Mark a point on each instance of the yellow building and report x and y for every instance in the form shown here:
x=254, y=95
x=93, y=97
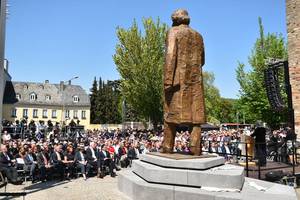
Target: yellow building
x=44, y=101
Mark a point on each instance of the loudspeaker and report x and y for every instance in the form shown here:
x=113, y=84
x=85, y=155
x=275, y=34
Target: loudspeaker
x=273, y=89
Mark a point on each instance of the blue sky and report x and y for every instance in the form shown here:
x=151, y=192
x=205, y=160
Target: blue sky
x=59, y=39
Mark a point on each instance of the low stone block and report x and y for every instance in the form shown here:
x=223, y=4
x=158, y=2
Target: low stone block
x=199, y=164
x=226, y=176
x=136, y=188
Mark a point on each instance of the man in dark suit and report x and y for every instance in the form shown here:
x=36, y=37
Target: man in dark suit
x=92, y=155
x=226, y=151
x=106, y=160
x=80, y=160
x=30, y=163
x=6, y=166
x=42, y=163
x=57, y=160
x=259, y=135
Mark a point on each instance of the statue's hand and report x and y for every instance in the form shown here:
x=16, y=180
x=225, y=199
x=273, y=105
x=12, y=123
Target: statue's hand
x=168, y=88
x=172, y=88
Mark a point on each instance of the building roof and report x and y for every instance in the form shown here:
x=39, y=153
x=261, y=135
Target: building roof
x=60, y=94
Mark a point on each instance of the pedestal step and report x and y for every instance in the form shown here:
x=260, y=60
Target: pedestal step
x=137, y=188
x=199, y=164
x=226, y=176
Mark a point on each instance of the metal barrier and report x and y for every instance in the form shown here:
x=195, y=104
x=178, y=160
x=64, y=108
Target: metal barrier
x=247, y=156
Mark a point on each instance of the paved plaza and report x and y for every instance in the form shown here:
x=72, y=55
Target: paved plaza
x=91, y=189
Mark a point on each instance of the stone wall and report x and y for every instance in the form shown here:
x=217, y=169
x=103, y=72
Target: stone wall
x=293, y=29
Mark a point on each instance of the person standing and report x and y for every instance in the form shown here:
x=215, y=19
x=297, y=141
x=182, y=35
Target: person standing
x=259, y=135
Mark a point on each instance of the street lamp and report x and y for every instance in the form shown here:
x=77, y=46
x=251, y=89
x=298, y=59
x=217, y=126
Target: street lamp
x=63, y=100
x=75, y=77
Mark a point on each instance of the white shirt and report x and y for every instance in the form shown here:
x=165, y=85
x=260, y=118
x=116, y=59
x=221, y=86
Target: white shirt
x=227, y=149
x=93, y=153
x=82, y=157
x=7, y=157
x=116, y=147
x=58, y=156
x=6, y=137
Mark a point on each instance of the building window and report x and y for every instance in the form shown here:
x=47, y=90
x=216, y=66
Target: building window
x=25, y=112
x=83, y=114
x=14, y=112
x=35, y=113
x=48, y=97
x=33, y=96
x=53, y=113
x=25, y=86
x=67, y=114
x=75, y=114
x=75, y=99
x=45, y=115
x=18, y=96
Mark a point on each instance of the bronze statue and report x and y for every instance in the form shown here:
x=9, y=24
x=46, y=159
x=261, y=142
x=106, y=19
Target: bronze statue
x=183, y=85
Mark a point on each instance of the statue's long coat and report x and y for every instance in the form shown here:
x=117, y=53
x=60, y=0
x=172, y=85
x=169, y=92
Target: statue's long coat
x=184, y=102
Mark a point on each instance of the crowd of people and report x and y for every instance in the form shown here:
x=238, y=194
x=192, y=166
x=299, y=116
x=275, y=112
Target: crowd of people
x=103, y=152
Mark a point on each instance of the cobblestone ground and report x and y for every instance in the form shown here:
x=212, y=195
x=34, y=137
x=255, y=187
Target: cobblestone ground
x=78, y=189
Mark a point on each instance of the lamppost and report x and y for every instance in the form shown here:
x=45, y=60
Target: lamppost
x=63, y=117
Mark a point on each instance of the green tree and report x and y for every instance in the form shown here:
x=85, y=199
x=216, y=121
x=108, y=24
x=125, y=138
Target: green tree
x=101, y=102
x=253, y=98
x=93, y=99
x=228, y=111
x=139, y=59
x=105, y=99
x=212, y=98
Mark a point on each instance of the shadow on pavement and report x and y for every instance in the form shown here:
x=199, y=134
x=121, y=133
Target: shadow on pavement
x=42, y=186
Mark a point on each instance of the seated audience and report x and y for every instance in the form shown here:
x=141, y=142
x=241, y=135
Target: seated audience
x=30, y=163
x=106, y=160
x=80, y=160
x=7, y=166
x=69, y=158
x=57, y=160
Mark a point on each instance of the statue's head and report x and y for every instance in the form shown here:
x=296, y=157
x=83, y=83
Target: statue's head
x=180, y=16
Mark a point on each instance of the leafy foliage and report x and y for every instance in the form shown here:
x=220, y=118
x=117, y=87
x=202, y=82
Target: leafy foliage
x=253, y=98
x=218, y=109
x=139, y=59
x=93, y=99
x=105, y=99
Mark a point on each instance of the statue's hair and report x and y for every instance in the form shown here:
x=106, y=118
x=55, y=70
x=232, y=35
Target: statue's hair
x=180, y=16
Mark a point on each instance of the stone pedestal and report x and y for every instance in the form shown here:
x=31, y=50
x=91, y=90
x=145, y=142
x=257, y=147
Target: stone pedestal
x=156, y=177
